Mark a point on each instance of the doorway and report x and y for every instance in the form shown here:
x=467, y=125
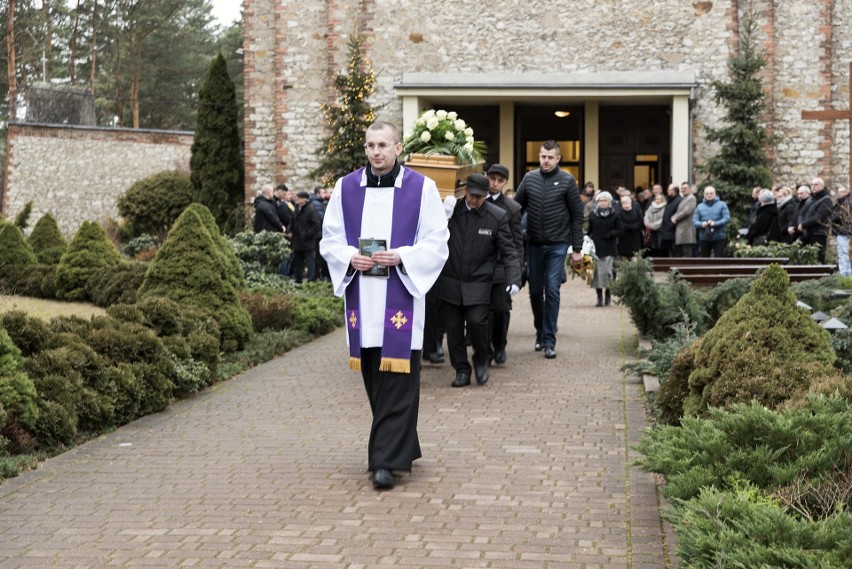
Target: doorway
x=634, y=147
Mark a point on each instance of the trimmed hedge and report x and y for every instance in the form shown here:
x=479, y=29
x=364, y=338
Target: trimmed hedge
x=47, y=241
x=89, y=251
x=14, y=249
x=152, y=204
x=116, y=284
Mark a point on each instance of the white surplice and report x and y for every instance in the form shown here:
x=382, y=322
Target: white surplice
x=423, y=261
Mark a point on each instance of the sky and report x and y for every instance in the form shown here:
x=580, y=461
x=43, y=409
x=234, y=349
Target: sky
x=226, y=11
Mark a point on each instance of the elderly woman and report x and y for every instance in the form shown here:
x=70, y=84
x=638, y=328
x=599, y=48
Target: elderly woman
x=604, y=228
x=653, y=222
x=764, y=226
x=786, y=205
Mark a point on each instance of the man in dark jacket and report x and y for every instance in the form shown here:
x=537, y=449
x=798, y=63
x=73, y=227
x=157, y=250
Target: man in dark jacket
x=304, y=230
x=501, y=301
x=265, y=212
x=550, y=198
x=282, y=205
x=816, y=217
x=479, y=234
x=667, y=229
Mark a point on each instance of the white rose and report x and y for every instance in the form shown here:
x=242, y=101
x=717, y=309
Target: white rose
x=468, y=131
x=421, y=121
x=450, y=136
x=432, y=123
x=428, y=114
x=469, y=139
x=468, y=147
x=452, y=115
x=426, y=136
x=460, y=125
x=441, y=114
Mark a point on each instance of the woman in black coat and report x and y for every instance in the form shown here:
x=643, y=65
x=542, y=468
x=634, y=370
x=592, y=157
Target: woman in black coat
x=633, y=226
x=786, y=204
x=604, y=229
x=764, y=227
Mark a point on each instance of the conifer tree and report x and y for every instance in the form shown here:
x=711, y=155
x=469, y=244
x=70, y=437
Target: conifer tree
x=89, y=251
x=741, y=163
x=47, y=241
x=14, y=249
x=218, y=175
x=342, y=151
x=191, y=269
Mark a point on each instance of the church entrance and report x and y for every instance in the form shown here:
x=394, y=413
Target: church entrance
x=634, y=147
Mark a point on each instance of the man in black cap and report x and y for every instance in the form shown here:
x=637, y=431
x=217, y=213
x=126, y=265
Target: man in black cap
x=304, y=230
x=501, y=302
x=479, y=235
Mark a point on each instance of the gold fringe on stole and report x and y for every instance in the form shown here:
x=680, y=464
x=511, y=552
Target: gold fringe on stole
x=395, y=365
x=355, y=364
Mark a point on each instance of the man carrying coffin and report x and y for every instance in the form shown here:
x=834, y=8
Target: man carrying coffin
x=385, y=241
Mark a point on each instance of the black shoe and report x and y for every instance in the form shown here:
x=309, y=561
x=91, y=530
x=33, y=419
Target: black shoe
x=382, y=479
x=500, y=356
x=440, y=352
x=550, y=353
x=608, y=299
x=433, y=358
x=599, y=303
x=462, y=379
x=481, y=375
x=538, y=345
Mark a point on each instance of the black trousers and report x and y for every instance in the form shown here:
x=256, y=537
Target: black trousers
x=433, y=326
x=476, y=317
x=498, y=318
x=395, y=402
x=300, y=259
x=820, y=241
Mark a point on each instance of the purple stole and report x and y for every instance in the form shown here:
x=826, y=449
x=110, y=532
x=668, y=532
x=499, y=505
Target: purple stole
x=399, y=304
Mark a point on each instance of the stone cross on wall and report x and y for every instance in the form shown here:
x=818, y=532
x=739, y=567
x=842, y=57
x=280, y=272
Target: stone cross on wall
x=833, y=115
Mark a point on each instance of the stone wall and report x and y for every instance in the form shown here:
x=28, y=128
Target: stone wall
x=806, y=39
x=78, y=173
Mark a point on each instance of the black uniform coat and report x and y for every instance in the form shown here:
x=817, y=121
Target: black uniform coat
x=633, y=223
x=513, y=210
x=477, y=237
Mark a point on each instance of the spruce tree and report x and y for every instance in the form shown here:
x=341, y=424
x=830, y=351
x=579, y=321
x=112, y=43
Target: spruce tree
x=342, y=151
x=191, y=269
x=741, y=163
x=14, y=249
x=218, y=175
x=47, y=241
x=89, y=251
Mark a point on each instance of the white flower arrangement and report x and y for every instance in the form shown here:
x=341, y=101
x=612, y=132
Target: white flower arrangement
x=443, y=133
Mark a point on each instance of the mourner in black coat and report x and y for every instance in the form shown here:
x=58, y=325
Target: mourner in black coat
x=633, y=225
x=764, y=225
x=304, y=230
x=479, y=233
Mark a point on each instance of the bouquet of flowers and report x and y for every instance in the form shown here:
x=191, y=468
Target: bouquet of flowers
x=445, y=134
x=586, y=268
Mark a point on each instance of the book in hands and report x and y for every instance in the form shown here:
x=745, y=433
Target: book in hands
x=369, y=246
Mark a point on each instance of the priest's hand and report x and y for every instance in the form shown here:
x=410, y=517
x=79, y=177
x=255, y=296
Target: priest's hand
x=362, y=262
x=388, y=258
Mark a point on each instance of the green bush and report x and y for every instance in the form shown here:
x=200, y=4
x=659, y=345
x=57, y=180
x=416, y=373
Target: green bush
x=743, y=528
x=269, y=311
x=317, y=315
x=191, y=269
x=89, y=251
x=263, y=251
x=144, y=242
x=47, y=241
x=14, y=249
x=37, y=281
x=22, y=219
x=819, y=294
x=718, y=299
x=796, y=252
x=232, y=269
x=152, y=204
x=30, y=335
x=18, y=397
x=752, y=353
x=658, y=360
x=116, y=284
x=261, y=348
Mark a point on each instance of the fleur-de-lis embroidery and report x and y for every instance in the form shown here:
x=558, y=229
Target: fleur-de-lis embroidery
x=353, y=320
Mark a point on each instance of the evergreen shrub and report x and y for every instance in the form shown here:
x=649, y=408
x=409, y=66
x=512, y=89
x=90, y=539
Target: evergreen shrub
x=796, y=252
x=191, y=269
x=269, y=311
x=89, y=251
x=151, y=205
x=18, y=397
x=14, y=249
x=37, y=281
x=116, y=284
x=262, y=251
x=30, y=335
x=143, y=244
x=47, y=241
x=232, y=269
x=22, y=218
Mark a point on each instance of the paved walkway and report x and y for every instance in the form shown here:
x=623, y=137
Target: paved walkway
x=531, y=471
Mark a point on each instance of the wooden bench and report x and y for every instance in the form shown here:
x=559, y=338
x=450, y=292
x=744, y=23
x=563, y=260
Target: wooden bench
x=663, y=264
x=703, y=271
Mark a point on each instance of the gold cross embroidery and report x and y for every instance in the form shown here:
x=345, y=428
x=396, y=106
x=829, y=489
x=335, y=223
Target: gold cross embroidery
x=399, y=320
x=353, y=319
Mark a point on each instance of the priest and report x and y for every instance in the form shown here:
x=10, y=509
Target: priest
x=385, y=241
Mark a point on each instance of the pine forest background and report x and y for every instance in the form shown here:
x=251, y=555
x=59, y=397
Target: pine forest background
x=143, y=61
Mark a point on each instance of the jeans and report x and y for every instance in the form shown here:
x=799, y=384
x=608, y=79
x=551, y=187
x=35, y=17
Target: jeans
x=843, y=255
x=545, y=265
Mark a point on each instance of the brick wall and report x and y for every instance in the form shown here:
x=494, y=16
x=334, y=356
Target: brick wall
x=78, y=173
